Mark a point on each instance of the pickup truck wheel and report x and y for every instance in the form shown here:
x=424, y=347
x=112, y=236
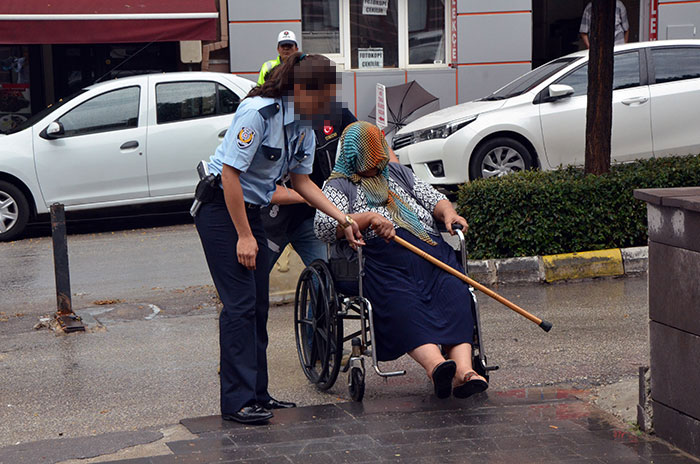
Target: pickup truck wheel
x=498, y=157
x=14, y=211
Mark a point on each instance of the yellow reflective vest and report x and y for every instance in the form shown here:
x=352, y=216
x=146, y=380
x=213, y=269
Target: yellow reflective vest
x=266, y=68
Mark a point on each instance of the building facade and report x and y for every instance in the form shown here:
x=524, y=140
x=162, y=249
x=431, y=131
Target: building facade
x=458, y=50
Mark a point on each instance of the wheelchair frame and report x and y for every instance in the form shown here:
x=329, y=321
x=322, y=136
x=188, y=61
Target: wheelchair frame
x=319, y=315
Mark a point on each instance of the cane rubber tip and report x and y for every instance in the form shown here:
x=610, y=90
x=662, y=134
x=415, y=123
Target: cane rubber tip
x=546, y=326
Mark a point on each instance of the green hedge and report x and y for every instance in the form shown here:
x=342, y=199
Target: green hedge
x=548, y=212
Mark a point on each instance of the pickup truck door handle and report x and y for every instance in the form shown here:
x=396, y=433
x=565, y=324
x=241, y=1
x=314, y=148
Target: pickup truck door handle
x=129, y=145
x=222, y=134
x=633, y=100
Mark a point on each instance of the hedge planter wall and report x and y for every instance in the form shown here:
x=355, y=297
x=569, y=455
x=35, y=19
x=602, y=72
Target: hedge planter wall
x=548, y=212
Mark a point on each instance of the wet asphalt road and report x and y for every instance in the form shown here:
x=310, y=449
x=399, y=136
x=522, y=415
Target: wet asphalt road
x=150, y=355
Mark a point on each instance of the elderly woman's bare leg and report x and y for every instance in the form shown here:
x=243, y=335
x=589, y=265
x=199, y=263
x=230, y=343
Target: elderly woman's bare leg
x=462, y=355
x=440, y=370
x=428, y=356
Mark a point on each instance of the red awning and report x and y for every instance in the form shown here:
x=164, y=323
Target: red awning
x=106, y=21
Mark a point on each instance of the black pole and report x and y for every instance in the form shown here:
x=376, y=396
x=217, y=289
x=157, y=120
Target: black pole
x=64, y=308
x=60, y=259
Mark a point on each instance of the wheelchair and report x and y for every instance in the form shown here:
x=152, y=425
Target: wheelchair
x=321, y=314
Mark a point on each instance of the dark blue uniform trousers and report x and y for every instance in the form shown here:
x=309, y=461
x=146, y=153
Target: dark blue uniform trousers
x=244, y=294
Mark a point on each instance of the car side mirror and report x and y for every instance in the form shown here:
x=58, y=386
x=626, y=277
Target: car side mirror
x=559, y=91
x=54, y=131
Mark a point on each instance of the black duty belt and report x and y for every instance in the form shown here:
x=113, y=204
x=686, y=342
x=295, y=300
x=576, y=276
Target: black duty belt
x=219, y=197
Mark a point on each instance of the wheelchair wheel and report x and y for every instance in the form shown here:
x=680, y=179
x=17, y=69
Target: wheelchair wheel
x=356, y=384
x=317, y=326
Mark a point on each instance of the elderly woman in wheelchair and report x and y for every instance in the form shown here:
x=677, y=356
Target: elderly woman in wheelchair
x=418, y=309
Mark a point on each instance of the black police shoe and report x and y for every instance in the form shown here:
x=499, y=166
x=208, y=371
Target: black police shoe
x=249, y=415
x=276, y=404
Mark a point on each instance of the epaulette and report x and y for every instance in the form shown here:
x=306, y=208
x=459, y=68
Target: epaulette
x=269, y=111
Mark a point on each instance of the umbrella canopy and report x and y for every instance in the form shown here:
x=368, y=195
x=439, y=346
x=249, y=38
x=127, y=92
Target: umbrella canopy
x=403, y=102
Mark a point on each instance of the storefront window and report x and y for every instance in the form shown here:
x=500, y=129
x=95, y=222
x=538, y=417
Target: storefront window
x=320, y=26
x=81, y=65
x=374, y=37
x=377, y=34
x=15, y=100
x=426, y=31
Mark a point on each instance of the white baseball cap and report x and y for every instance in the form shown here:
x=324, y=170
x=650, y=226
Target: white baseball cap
x=287, y=37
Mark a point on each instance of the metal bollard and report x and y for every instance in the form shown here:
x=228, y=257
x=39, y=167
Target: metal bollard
x=65, y=316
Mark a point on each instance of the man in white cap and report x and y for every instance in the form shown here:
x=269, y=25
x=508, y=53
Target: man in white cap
x=286, y=46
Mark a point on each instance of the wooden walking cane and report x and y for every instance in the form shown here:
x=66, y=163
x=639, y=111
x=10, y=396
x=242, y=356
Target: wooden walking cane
x=546, y=326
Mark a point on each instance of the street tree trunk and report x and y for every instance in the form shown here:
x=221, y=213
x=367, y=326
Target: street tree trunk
x=600, y=80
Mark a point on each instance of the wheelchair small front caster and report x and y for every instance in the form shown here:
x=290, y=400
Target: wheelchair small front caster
x=356, y=383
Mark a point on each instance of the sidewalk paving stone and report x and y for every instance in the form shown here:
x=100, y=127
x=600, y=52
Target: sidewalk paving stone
x=536, y=425
x=46, y=451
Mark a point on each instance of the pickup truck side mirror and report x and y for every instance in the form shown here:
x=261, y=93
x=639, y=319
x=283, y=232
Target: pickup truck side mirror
x=53, y=131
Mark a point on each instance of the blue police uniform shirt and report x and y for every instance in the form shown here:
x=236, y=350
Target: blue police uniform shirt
x=254, y=145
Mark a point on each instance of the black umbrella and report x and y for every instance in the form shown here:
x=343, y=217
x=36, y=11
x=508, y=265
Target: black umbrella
x=403, y=101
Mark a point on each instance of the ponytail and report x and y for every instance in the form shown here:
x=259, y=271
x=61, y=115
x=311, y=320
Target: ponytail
x=310, y=71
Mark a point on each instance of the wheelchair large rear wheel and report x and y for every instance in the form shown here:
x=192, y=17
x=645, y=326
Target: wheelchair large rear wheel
x=317, y=326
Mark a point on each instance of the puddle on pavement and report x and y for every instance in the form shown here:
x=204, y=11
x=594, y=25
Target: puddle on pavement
x=102, y=315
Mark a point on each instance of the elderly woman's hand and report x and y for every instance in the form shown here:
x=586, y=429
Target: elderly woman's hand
x=453, y=218
x=382, y=227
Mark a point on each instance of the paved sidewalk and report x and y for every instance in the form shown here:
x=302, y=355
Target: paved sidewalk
x=534, y=425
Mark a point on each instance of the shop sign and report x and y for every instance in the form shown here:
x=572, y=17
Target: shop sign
x=653, y=19
x=375, y=7
x=368, y=58
x=381, y=106
x=453, y=39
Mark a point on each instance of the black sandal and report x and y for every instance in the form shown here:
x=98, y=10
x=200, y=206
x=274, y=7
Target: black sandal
x=470, y=386
x=442, y=378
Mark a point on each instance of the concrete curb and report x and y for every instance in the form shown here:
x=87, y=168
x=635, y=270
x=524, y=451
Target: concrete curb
x=530, y=269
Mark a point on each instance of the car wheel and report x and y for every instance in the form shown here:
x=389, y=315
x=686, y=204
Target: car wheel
x=14, y=211
x=498, y=157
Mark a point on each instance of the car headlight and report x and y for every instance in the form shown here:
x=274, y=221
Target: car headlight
x=436, y=132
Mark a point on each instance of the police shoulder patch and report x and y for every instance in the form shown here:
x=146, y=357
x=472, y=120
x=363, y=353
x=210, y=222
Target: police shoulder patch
x=245, y=137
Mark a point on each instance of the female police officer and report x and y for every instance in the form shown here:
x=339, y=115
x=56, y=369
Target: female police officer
x=269, y=138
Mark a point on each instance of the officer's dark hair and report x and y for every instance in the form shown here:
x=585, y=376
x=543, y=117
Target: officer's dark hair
x=312, y=72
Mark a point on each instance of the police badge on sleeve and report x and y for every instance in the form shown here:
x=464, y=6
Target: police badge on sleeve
x=245, y=137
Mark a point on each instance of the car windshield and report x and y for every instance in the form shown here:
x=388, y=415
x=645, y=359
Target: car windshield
x=528, y=81
x=43, y=113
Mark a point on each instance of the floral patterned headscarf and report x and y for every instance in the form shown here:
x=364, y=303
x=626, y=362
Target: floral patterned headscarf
x=363, y=147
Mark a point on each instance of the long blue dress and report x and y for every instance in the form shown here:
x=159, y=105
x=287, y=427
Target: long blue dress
x=414, y=301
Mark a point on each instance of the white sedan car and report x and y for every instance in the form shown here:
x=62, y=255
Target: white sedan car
x=122, y=142
x=539, y=119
